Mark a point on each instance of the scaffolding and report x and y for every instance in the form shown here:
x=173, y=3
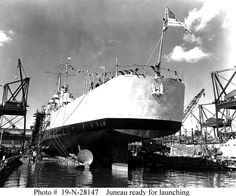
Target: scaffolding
x=14, y=104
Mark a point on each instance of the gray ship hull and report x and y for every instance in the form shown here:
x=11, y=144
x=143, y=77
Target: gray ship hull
x=123, y=110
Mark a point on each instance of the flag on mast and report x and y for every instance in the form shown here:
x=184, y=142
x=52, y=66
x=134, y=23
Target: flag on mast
x=171, y=20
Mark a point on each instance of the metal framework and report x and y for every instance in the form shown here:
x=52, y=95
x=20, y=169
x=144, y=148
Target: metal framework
x=189, y=109
x=208, y=122
x=14, y=104
x=192, y=105
x=224, y=88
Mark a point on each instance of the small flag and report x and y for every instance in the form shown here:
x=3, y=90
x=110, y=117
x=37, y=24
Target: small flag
x=171, y=20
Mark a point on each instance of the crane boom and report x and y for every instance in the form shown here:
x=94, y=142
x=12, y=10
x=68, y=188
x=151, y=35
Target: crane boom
x=192, y=104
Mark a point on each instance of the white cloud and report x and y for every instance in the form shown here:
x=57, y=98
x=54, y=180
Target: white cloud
x=199, y=19
x=4, y=38
x=192, y=38
x=194, y=55
x=230, y=24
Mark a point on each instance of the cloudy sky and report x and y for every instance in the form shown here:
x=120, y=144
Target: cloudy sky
x=43, y=33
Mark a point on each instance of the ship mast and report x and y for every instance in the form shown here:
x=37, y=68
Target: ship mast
x=64, y=70
x=59, y=80
x=169, y=20
x=164, y=27
x=66, y=66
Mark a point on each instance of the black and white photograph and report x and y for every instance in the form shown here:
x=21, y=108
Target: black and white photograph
x=117, y=97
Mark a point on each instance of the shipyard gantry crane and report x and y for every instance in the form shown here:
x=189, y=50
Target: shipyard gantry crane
x=14, y=104
x=188, y=110
x=224, y=88
x=209, y=123
x=192, y=104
